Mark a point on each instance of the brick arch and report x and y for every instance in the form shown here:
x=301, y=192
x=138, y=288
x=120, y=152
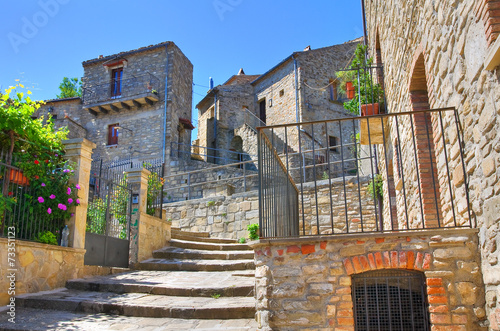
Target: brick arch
x=488, y=11
x=424, y=137
x=409, y=260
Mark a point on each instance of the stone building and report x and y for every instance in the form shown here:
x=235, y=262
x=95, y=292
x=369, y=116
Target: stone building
x=447, y=55
x=134, y=104
x=301, y=88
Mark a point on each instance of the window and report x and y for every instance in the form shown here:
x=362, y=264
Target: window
x=116, y=82
x=113, y=134
x=262, y=110
x=282, y=93
x=333, y=143
x=390, y=300
x=333, y=90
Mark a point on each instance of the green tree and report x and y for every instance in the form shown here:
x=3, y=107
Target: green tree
x=20, y=132
x=70, y=87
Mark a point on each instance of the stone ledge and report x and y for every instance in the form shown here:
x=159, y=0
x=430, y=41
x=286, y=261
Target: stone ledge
x=355, y=236
x=26, y=243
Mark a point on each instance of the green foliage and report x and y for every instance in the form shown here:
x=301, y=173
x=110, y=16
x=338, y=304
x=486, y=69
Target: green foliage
x=96, y=216
x=224, y=214
x=325, y=175
x=253, y=230
x=366, y=92
x=155, y=185
x=119, y=204
x=47, y=237
x=70, y=87
x=51, y=194
x=210, y=203
x=6, y=204
x=376, y=187
x=242, y=240
x=215, y=296
x=23, y=133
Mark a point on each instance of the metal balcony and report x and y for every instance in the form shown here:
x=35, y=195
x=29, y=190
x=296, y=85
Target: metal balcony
x=115, y=96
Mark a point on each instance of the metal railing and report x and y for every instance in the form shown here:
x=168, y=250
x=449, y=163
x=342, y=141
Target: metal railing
x=146, y=84
x=211, y=155
x=253, y=121
x=199, y=183
x=20, y=215
x=278, y=195
x=389, y=172
x=114, y=171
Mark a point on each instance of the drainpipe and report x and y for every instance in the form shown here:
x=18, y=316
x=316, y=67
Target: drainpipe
x=215, y=125
x=296, y=88
x=165, y=110
x=364, y=21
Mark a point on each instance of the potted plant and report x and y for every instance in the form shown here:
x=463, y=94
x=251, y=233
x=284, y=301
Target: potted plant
x=368, y=96
x=357, y=82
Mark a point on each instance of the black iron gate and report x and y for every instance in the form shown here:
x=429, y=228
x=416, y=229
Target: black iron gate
x=390, y=300
x=107, y=240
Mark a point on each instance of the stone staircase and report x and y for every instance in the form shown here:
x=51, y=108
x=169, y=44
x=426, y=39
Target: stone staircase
x=197, y=281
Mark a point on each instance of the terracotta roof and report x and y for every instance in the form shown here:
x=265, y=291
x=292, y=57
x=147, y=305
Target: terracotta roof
x=142, y=49
x=187, y=123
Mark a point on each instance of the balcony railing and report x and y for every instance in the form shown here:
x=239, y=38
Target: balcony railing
x=390, y=172
x=138, y=87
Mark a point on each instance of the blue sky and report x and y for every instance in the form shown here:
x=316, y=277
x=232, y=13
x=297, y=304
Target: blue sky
x=44, y=40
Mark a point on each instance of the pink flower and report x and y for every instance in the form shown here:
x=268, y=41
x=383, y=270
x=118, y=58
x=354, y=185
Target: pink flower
x=49, y=211
x=52, y=196
x=61, y=206
x=43, y=184
x=78, y=186
x=70, y=201
x=78, y=201
x=40, y=199
x=72, y=214
x=68, y=191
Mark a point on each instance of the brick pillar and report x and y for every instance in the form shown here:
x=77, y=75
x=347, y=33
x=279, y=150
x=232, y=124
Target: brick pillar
x=137, y=179
x=79, y=150
x=426, y=158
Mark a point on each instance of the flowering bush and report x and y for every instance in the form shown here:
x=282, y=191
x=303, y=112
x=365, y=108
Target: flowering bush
x=51, y=194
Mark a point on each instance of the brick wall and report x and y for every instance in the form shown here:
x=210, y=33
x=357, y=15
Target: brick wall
x=306, y=283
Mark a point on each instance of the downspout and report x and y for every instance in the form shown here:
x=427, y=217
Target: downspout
x=296, y=88
x=364, y=21
x=215, y=125
x=165, y=110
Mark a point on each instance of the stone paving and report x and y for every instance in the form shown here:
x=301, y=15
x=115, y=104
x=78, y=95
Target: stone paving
x=41, y=319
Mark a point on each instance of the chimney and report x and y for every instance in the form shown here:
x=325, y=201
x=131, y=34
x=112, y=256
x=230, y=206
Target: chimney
x=308, y=48
x=241, y=72
x=100, y=56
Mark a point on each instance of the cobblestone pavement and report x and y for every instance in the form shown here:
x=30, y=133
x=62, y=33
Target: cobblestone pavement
x=39, y=319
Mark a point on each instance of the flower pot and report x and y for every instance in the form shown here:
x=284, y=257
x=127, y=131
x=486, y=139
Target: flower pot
x=17, y=177
x=370, y=109
x=350, y=90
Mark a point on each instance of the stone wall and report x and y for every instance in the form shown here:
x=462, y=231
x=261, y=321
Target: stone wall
x=451, y=41
x=306, y=283
x=42, y=267
x=154, y=233
x=226, y=214
x=223, y=216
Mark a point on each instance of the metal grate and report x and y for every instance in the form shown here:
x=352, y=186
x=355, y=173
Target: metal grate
x=390, y=300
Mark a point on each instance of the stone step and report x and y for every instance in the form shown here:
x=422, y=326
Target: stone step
x=173, y=283
x=197, y=254
x=195, y=265
x=209, y=246
x=176, y=231
x=140, y=304
x=42, y=319
x=188, y=237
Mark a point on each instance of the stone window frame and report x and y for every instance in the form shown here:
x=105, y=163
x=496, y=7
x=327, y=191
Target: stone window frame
x=112, y=139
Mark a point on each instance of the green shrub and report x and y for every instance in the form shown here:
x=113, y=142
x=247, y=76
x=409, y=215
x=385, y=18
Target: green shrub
x=242, y=240
x=47, y=237
x=253, y=230
x=376, y=191
x=210, y=203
